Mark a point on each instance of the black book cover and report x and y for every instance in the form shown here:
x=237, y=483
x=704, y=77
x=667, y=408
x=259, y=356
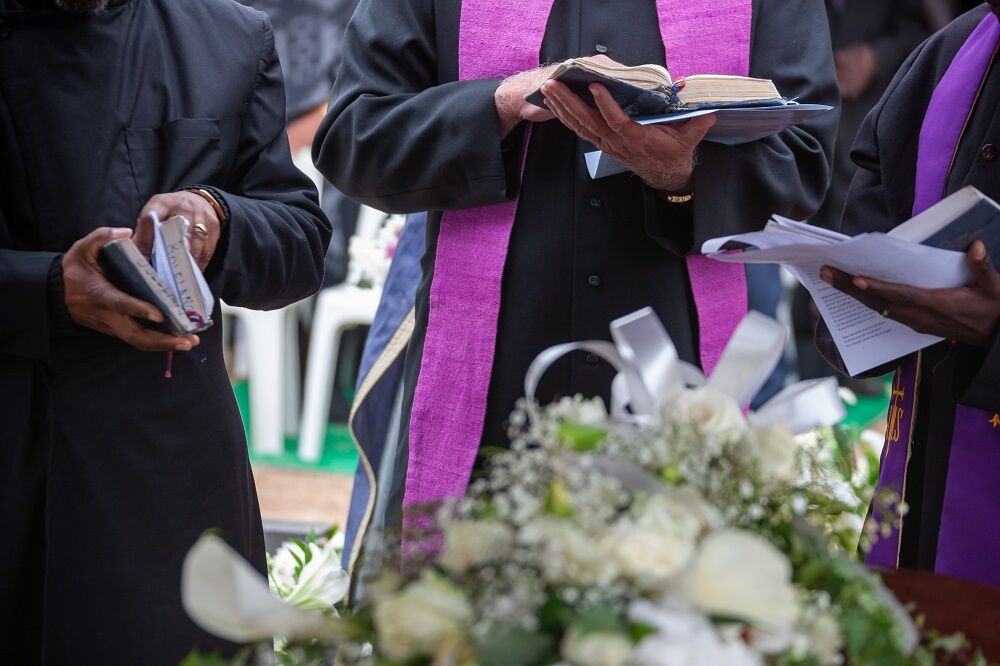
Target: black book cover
x=118, y=260
x=635, y=101
x=981, y=222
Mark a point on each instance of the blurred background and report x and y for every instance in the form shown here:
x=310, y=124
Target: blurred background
x=294, y=370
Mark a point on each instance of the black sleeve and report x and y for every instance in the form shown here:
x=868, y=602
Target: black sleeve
x=397, y=138
x=271, y=251
x=737, y=188
x=26, y=328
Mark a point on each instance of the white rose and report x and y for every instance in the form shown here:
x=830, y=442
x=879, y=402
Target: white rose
x=825, y=641
x=775, y=451
x=470, y=543
x=595, y=649
x=426, y=614
x=569, y=555
x=649, y=557
x=683, y=637
x=320, y=584
x=681, y=510
x=741, y=575
x=713, y=413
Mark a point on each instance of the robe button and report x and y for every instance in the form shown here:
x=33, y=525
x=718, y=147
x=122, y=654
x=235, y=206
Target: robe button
x=595, y=203
x=988, y=152
x=592, y=359
x=594, y=281
x=601, y=48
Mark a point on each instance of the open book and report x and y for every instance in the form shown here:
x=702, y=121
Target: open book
x=645, y=90
x=927, y=251
x=172, y=281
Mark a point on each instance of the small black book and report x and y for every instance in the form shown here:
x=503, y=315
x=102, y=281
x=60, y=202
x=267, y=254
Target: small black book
x=172, y=282
x=955, y=222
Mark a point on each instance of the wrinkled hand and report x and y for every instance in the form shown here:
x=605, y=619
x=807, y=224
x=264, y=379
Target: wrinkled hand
x=661, y=155
x=968, y=314
x=195, y=209
x=511, y=105
x=856, y=69
x=94, y=302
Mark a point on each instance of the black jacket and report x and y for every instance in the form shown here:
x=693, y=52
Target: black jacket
x=108, y=470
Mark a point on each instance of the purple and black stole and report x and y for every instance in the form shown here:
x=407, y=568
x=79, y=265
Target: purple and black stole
x=968, y=542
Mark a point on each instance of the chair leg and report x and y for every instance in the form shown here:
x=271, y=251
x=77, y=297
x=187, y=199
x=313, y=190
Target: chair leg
x=291, y=380
x=323, y=349
x=265, y=333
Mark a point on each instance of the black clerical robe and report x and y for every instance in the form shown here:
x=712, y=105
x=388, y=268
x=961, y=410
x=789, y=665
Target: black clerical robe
x=108, y=470
x=880, y=198
x=403, y=134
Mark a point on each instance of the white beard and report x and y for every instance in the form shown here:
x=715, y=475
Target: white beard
x=83, y=6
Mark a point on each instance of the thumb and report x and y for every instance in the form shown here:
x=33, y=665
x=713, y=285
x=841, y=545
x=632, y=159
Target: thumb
x=984, y=275
x=143, y=237
x=695, y=129
x=98, y=238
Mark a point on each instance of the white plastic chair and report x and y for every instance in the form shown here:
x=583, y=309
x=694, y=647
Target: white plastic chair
x=337, y=309
x=267, y=354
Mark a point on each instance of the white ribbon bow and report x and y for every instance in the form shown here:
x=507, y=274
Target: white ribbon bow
x=650, y=374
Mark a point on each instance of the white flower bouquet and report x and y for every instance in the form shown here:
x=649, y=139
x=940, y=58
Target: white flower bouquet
x=676, y=530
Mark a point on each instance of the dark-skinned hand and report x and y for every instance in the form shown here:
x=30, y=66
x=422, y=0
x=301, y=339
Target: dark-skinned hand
x=94, y=302
x=663, y=156
x=970, y=314
x=191, y=206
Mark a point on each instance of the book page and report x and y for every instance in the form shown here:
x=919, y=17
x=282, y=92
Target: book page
x=864, y=338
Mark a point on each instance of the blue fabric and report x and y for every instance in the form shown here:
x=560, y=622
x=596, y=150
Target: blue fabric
x=371, y=419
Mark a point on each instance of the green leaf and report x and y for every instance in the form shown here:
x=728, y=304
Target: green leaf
x=600, y=619
x=559, y=500
x=640, y=631
x=555, y=615
x=581, y=438
x=517, y=647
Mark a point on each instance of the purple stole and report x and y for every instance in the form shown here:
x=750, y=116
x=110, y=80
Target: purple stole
x=497, y=39
x=968, y=542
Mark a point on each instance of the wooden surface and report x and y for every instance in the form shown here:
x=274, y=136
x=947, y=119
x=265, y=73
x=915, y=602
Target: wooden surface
x=301, y=496
x=951, y=605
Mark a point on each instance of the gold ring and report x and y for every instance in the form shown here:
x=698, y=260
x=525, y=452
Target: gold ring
x=885, y=313
x=201, y=229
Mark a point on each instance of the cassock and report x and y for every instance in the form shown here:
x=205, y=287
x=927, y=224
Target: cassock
x=109, y=471
x=949, y=379
x=404, y=134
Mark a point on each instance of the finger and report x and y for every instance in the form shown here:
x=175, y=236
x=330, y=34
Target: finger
x=95, y=240
x=159, y=204
x=896, y=294
x=197, y=242
x=144, y=339
x=586, y=117
x=570, y=121
x=694, y=130
x=984, y=275
x=846, y=283
x=144, y=234
x=616, y=119
x=110, y=298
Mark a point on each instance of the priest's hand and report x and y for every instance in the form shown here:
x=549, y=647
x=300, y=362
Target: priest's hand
x=511, y=105
x=661, y=155
x=967, y=314
x=94, y=302
x=205, y=223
